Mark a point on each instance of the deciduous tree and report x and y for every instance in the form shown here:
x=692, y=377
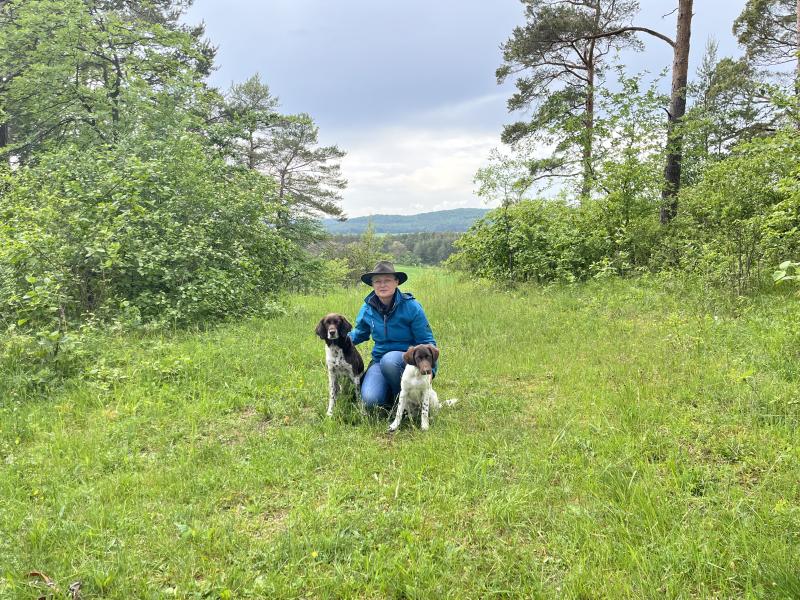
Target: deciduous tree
x=76, y=69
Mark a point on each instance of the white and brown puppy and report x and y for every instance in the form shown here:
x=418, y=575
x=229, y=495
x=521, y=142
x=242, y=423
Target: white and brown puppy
x=341, y=357
x=416, y=392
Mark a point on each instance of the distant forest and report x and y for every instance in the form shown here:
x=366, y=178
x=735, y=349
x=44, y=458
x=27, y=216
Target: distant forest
x=406, y=248
x=459, y=219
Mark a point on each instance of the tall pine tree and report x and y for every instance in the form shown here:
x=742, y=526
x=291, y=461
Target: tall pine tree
x=559, y=59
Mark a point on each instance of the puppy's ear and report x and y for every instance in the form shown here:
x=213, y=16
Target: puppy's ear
x=435, y=352
x=408, y=356
x=320, y=330
x=344, y=326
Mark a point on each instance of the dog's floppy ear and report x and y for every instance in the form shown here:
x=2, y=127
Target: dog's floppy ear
x=320, y=330
x=344, y=326
x=435, y=352
x=408, y=356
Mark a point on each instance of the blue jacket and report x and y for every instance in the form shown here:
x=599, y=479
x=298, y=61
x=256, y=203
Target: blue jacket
x=403, y=325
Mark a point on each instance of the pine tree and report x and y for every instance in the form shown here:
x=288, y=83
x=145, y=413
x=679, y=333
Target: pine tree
x=559, y=56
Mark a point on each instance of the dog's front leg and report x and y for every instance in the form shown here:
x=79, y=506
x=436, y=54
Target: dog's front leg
x=426, y=407
x=332, y=391
x=401, y=407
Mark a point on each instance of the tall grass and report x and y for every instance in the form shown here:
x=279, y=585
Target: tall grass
x=613, y=440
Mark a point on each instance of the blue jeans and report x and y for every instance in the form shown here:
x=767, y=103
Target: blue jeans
x=381, y=382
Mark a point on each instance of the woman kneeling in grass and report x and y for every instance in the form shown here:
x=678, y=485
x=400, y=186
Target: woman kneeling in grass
x=395, y=321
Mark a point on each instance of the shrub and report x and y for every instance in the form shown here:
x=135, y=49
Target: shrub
x=533, y=240
x=742, y=215
x=152, y=226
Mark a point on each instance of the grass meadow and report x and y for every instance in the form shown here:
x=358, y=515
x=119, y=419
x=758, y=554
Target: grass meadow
x=616, y=439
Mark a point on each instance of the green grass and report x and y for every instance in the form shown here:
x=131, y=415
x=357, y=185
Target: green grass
x=612, y=440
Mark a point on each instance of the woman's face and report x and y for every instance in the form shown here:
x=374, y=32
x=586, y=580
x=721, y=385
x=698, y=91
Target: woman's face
x=384, y=286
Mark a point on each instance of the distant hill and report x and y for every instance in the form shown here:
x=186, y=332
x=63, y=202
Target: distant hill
x=458, y=219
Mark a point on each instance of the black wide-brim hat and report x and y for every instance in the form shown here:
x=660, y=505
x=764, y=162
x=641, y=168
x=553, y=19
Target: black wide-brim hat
x=384, y=267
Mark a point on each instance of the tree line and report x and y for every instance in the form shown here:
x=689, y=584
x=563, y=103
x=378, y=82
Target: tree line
x=702, y=180
x=350, y=255
x=133, y=191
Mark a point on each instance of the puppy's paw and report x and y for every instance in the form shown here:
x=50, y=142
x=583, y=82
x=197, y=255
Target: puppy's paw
x=329, y=413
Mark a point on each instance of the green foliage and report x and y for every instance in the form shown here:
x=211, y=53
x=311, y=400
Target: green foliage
x=767, y=30
x=362, y=255
x=559, y=68
x=308, y=175
x=613, y=233
x=78, y=69
x=739, y=215
x=420, y=248
x=731, y=103
x=787, y=271
x=742, y=216
x=782, y=235
x=543, y=237
x=151, y=227
x=138, y=200
x=623, y=219
x=405, y=248
x=253, y=134
x=250, y=113
x=345, y=258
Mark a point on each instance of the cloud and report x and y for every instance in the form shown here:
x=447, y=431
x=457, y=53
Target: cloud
x=403, y=170
x=426, y=161
x=488, y=107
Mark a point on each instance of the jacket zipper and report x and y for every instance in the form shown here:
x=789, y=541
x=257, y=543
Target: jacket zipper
x=386, y=318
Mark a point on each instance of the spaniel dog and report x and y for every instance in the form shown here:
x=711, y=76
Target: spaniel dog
x=341, y=357
x=416, y=392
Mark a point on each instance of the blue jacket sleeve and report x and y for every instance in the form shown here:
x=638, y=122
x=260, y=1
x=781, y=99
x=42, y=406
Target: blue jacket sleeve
x=362, y=331
x=421, y=328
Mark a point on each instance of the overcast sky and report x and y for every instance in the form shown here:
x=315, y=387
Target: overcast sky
x=407, y=89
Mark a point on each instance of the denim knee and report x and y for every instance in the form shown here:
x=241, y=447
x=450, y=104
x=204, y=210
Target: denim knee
x=392, y=366
x=374, y=388
x=372, y=397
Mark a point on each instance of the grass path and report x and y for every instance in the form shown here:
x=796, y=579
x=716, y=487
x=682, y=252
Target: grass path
x=613, y=440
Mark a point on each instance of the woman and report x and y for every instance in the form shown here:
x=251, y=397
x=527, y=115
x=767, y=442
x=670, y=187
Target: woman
x=395, y=321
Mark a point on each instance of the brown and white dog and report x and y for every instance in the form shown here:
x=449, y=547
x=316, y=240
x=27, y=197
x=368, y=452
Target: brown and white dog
x=416, y=391
x=341, y=357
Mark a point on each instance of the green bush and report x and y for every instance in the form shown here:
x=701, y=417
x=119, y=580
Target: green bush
x=787, y=271
x=552, y=240
x=152, y=228
x=739, y=220
x=742, y=217
x=533, y=240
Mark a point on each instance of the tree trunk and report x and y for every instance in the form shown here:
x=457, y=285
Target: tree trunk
x=677, y=109
x=797, y=75
x=588, y=132
x=508, y=241
x=4, y=135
